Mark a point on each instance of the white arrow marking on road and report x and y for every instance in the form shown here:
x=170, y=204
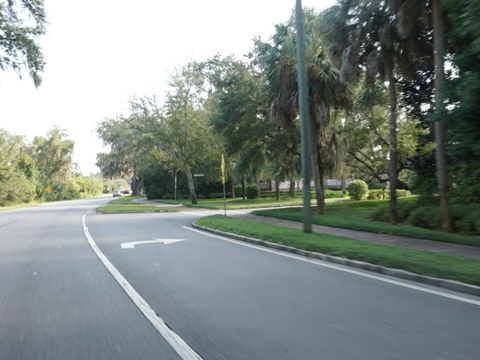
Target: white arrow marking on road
x=131, y=245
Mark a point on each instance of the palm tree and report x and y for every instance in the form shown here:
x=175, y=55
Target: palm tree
x=412, y=14
x=325, y=91
x=364, y=36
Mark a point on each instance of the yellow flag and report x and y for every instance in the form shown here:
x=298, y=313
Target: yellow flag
x=223, y=170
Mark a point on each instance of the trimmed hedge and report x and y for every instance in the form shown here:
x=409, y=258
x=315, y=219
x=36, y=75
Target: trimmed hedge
x=376, y=194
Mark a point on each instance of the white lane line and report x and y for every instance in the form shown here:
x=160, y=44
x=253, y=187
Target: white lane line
x=175, y=341
x=336, y=267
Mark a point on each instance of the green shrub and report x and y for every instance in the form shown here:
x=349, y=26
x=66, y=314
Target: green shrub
x=465, y=218
x=382, y=211
x=428, y=217
x=358, y=190
x=332, y=194
x=201, y=197
x=377, y=194
x=253, y=191
x=403, y=193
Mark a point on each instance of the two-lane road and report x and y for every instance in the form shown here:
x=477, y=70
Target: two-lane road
x=221, y=298
x=57, y=300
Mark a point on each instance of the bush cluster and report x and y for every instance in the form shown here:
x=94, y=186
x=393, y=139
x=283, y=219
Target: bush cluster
x=376, y=194
x=253, y=191
x=358, y=190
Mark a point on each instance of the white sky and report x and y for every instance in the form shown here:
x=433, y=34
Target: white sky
x=101, y=52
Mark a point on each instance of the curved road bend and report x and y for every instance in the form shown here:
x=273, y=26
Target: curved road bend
x=224, y=299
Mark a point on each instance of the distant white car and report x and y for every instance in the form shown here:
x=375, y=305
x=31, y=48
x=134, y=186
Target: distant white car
x=116, y=193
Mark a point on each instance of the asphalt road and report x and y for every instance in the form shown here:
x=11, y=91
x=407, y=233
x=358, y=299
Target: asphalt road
x=220, y=298
x=57, y=300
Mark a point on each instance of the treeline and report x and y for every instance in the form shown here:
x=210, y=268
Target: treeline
x=392, y=92
x=42, y=170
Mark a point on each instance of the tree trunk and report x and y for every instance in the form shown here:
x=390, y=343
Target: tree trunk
x=232, y=185
x=344, y=184
x=439, y=129
x=244, y=190
x=191, y=185
x=313, y=127
x=292, y=187
x=392, y=165
x=136, y=183
x=277, y=190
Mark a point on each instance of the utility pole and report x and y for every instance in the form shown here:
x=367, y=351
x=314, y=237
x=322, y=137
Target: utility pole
x=303, y=108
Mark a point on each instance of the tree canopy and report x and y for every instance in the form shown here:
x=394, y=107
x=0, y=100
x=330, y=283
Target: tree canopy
x=22, y=22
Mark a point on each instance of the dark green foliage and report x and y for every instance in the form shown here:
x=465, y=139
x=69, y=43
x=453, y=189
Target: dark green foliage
x=376, y=186
x=466, y=218
x=253, y=191
x=428, y=217
x=217, y=195
x=238, y=190
x=358, y=189
x=207, y=188
x=404, y=208
x=158, y=182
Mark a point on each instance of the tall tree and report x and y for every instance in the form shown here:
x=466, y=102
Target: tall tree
x=17, y=170
x=53, y=156
x=238, y=111
x=440, y=128
x=464, y=92
x=325, y=91
x=21, y=24
x=180, y=129
x=410, y=14
x=124, y=136
x=364, y=36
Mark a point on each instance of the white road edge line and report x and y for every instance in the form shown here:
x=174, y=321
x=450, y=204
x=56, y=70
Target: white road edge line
x=175, y=341
x=336, y=267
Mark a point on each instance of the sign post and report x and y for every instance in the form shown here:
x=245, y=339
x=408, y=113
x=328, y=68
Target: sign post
x=223, y=182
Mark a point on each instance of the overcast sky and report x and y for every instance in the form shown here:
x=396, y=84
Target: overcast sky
x=101, y=52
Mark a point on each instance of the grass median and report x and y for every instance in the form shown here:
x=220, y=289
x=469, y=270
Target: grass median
x=126, y=205
x=416, y=261
x=239, y=203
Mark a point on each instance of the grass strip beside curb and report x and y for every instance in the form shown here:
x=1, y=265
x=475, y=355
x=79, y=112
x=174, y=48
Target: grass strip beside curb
x=415, y=261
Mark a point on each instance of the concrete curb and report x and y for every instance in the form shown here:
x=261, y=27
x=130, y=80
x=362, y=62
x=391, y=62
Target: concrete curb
x=447, y=284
